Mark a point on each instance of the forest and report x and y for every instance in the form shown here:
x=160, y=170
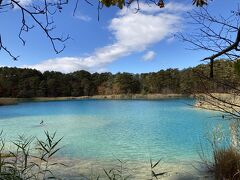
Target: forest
x=28, y=83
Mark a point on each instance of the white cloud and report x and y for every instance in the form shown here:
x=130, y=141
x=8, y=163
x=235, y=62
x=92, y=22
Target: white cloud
x=133, y=32
x=31, y=2
x=150, y=55
x=83, y=17
x=25, y=2
x=171, y=39
x=171, y=7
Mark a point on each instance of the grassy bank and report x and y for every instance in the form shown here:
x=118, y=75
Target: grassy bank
x=9, y=101
x=223, y=102
x=138, y=96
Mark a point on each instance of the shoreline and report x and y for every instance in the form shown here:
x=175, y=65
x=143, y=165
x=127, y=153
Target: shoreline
x=13, y=101
x=221, y=102
x=203, y=101
x=138, y=169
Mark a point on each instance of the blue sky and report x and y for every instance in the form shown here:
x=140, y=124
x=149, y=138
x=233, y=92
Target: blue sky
x=122, y=41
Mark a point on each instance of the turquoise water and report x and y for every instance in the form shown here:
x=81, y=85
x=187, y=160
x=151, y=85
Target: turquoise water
x=105, y=129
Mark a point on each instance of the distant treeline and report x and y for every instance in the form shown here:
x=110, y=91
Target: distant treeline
x=17, y=82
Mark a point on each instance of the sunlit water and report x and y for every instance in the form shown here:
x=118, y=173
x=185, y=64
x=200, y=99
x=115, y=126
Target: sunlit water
x=108, y=129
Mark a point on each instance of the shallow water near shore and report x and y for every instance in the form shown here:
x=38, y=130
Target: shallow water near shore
x=103, y=130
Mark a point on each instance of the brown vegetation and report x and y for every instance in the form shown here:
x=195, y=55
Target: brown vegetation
x=227, y=164
x=8, y=101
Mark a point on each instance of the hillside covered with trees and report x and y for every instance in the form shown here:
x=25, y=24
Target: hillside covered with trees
x=27, y=83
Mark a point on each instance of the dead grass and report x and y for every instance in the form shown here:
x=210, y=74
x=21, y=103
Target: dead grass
x=222, y=102
x=8, y=101
x=227, y=164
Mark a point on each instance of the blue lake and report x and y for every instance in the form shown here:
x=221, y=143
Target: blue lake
x=105, y=129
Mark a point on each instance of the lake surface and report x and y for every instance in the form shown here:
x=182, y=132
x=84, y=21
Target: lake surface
x=105, y=129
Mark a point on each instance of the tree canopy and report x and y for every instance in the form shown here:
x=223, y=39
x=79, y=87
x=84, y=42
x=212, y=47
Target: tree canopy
x=27, y=83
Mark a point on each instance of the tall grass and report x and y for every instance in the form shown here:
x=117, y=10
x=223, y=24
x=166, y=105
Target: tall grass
x=121, y=172
x=9, y=101
x=227, y=163
x=31, y=158
x=225, y=158
x=28, y=161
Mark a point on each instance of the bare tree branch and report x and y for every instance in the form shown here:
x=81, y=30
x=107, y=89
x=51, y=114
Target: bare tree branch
x=219, y=35
x=6, y=50
x=40, y=14
x=31, y=16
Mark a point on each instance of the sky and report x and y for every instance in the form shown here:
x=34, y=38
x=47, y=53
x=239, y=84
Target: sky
x=121, y=41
